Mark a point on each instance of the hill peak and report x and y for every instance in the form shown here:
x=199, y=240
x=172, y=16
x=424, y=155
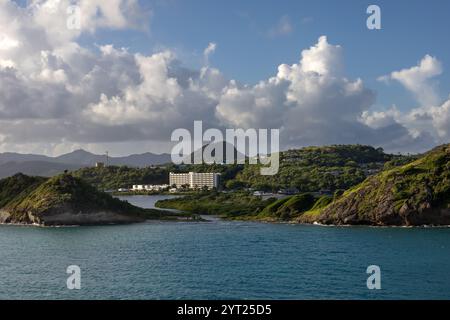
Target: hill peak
x=62, y=200
x=416, y=193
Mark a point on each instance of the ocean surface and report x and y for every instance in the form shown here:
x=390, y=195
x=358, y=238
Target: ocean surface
x=223, y=260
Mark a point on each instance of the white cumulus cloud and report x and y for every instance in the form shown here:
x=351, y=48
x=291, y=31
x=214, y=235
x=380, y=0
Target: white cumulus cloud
x=418, y=79
x=56, y=94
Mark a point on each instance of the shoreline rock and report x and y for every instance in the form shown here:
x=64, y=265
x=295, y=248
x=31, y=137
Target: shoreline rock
x=65, y=200
x=411, y=195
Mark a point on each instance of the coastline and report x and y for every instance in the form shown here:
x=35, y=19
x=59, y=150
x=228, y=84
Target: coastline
x=315, y=223
x=318, y=224
x=166, y=219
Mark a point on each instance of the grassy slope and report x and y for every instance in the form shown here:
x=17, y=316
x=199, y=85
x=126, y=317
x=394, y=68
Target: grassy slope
x=402, y=195
x=288, y=208
x=216, y=203
x=243, y=205
x=40, y=195
x=17, y=187
x=313, y=168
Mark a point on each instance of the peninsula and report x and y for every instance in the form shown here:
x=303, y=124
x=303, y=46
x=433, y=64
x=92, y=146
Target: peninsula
x=67, y=200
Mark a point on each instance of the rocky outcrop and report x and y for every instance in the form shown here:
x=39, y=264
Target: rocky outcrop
x=68, y=217
x=64, y=200
x=411, y=195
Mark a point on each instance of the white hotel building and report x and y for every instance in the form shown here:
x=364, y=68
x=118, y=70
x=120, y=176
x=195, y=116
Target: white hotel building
x=195, y=180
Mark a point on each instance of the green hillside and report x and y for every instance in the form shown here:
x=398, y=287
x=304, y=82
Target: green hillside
x=227, y=205
x=115, y=177
x=314, y=168
x=64, y=200
x=417, y=193
x=17, y=187
x=307, y=169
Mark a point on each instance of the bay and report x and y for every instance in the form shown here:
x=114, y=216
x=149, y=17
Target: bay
x=223, y=260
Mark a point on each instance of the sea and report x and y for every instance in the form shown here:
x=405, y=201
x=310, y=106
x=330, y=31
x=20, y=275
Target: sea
x=219, y=259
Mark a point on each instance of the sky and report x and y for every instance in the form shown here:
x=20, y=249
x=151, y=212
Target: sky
x=133, y=71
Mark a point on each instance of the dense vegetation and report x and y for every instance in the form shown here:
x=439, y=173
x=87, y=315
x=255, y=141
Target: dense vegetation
x=32, y=200
x=68, y=190
x=308, y=169
x=245, y=206
x=413, y=194
x=217, y=203
x=315, y=168
x=115, y=177
x=289, y=207
x=17, y=187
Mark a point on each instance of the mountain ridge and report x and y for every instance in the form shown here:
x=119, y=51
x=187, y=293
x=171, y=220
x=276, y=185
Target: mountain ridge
x=42, y=165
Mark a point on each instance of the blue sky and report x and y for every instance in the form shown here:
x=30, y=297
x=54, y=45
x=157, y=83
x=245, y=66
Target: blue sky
x=247, y=52
x=63, y=88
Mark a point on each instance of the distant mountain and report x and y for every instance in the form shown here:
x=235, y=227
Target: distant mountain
x=80, y=157
x=141, y=160
x=211, y=148
x=35, y=168
x=41, y=165
x=84, y=158
x=18, y=157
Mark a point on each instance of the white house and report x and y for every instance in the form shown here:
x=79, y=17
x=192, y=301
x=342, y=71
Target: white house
x=150, y=187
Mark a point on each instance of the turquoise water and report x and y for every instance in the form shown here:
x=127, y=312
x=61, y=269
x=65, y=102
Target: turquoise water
x=223, y=260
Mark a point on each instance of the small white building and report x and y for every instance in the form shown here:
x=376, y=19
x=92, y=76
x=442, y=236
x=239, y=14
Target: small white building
x=150, y=187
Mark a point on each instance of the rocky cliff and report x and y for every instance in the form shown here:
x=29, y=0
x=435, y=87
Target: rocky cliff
x=63, y=200
x=414, y=194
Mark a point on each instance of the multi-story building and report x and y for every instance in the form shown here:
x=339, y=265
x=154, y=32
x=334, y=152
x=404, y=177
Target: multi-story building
x=179, y=179
x=200, y=180
x=195, y=180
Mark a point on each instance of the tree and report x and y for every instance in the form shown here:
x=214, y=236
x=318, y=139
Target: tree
x=234, y=184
